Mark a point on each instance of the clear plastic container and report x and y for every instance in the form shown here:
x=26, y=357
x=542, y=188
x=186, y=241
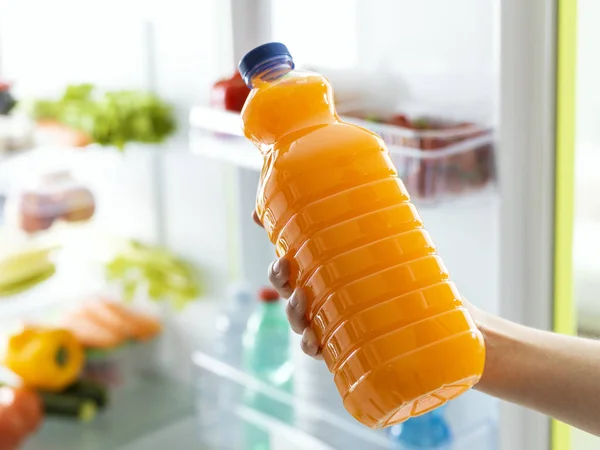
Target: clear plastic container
x=221, y=390
x=434, y=165
x=48, y=198
x=443, y=159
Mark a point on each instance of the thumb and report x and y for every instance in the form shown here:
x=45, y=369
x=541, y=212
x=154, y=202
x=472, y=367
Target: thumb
x=256, y=219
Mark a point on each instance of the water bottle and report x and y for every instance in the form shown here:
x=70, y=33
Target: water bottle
x=230, y=324
x=267, y=358
x=427, y=432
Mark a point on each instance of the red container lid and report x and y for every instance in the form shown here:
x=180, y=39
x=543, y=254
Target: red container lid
x=267, y=294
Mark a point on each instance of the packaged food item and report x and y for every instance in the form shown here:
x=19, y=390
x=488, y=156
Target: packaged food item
x=118, y=339
x=436, y=158
x=392, y=325
x=229, y=94
x=49, y=198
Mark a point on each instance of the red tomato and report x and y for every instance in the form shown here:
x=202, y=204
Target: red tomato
x=20, y=415
x=12, y=428
x=400, y=120
x=28, y=404
x=229, y=94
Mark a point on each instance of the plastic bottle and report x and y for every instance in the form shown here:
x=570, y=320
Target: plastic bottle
x=426, y=432
x=267, y=357
x=392, y=326
x=230, y=324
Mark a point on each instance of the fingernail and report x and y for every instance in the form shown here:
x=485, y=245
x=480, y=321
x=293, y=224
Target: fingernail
x=294, y=300
x=276, y=267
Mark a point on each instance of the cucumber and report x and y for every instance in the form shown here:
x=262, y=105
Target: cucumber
x=91, y=390
x=82, y=409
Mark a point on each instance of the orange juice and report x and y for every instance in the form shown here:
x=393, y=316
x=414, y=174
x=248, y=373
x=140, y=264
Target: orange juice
x=392, y=326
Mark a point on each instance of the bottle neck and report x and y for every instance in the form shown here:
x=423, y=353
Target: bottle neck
x=270, y=305
x=270, y=70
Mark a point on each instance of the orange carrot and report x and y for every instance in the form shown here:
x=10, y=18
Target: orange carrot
x=90, y=333
x=105, y=317
x=141, y=326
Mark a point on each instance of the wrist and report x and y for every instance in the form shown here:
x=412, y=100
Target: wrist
x=505, y=345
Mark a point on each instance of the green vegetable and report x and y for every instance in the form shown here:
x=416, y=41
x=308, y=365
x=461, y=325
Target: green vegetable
x=109, y=118
x=164, y=275
x=421, y=123
x=65, y=405
x=24, y=285
x=372, y=118
x=89, y=390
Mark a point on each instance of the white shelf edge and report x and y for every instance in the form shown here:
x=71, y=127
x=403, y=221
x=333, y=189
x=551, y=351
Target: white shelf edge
x=229, y=123
x=230, y=149
x=223, y=370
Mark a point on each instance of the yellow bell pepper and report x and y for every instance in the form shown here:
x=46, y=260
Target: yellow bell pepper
x=48, y=359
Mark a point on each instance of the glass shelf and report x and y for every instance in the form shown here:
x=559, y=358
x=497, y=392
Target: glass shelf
x=237, y=410
x=434, y=165
x=148, y=404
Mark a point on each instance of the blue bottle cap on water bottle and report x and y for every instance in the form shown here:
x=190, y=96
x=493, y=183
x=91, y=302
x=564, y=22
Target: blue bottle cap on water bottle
x=256, y=59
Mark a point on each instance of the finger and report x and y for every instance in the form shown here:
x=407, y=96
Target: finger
x=310, y=345
x=256, y=218
x=296, y=310
x=279, y=274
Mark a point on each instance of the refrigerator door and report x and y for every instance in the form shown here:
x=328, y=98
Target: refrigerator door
x=578, y=270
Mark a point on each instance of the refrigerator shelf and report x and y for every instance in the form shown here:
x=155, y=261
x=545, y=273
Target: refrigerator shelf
x=148, y=405
x=234, y=408
x=434, y=165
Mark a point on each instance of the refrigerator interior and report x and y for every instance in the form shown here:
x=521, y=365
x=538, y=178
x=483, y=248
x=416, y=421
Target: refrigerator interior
x=195, y=195
x=380, y=67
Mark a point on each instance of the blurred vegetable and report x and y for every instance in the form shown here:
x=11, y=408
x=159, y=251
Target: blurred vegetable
x=68, y=405
x=103, y=324
x=27, y=403
x=130, y=323
x=45, y=358
x=164, y=275
x=24, y=269
x=90, y=333
x=109, y=118
x=20, y=415
x=63, y=134
x=230, y=93
x=7, y=102
x=90, y=390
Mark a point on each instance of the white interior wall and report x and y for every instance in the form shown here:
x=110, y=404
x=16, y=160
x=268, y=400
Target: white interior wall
x=441, y=51
x=588, y=74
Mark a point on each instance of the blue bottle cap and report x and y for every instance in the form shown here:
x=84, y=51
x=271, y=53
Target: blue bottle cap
x=256, y=59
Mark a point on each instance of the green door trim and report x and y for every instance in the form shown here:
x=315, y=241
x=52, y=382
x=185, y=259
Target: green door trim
x=564, y=317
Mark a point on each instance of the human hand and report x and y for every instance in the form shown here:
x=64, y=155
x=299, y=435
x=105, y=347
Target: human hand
x=279, y=275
